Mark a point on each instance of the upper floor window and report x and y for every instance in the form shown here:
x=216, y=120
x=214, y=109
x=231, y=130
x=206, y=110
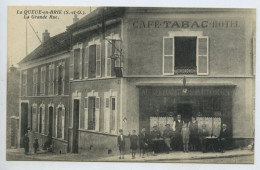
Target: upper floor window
x=35, y=81
x=76, y=64
x=43, y=80
x=93, y=61
x=51, y=80
x=60, y=78
x=185, y=55
x=113, y=47
x=24, y=83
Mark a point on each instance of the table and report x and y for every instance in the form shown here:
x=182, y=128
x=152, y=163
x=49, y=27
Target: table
x=211, y=141
x=158, y=145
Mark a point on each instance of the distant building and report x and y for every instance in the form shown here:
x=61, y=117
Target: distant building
x=131, y=68
x=12, y=116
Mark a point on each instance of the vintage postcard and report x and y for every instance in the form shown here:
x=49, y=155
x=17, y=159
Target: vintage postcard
x=131, y=84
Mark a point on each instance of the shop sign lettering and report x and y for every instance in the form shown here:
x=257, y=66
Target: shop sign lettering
x=185, y=24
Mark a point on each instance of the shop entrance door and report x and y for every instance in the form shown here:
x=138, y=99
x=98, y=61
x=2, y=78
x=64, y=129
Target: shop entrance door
x=75, y=126
x=24, y=122
x=185, y=110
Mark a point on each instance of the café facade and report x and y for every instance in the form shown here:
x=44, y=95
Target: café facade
x=133, y=68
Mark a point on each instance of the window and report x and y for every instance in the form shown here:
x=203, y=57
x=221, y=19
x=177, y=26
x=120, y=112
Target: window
x=41, y=119
x=86, y=59
x=24, y=83
x=60, y=78
x=71, y=67
x=76, y=64
x=35, y=81
x=34, y=118
x=90, y=120
x=113, y=48
x=51, y=80
x=59, y=122
x=43, y=80
x=185, y=55
x=110, y=113
x=92, y=61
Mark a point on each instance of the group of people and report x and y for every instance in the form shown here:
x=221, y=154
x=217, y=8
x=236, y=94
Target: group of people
x=183, y=136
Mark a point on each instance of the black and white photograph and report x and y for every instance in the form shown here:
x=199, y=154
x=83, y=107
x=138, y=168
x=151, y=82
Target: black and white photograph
x=131, y=84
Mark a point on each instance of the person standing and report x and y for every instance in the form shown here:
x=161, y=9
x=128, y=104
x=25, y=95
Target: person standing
x=202, y=135
x=26, y=142
x=167, y=136
x=35, y=145
x=185, y=132
x=144, y=142
x=121, y=143
x=155, y=135
x=178, y=137
x=194, y=134
x=133, y=143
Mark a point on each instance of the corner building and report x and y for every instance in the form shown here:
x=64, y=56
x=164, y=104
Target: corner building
x=132, y=68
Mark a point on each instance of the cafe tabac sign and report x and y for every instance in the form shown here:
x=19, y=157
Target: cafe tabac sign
x=157, y=24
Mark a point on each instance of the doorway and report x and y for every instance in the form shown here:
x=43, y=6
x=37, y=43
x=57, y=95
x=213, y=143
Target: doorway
x=75, y=126
x=185, y=110
x=50, y=122
x=24, y=122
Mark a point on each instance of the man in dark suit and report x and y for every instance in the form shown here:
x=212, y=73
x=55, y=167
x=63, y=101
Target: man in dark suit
x=121, y=144
x=178, y=138
x=224, y=138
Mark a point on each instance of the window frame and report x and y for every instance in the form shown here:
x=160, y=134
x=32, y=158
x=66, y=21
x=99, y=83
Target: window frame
x=43, y=81
x=111, y=37
x=24, y=83
x=108, y=96
x=185, y=33
x=51, y=82
x=35, y=81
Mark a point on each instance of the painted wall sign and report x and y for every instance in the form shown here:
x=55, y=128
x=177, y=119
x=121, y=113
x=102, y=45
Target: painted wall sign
x=191, y=92
x=185, y=24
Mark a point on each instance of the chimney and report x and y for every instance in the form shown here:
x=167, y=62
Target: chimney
x=45, y=36
x=75, y=19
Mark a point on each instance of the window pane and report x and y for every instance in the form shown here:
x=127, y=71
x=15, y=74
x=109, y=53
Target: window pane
x=113, y=104
x=98, y=52
x=168, y=64
x=168, y=46
x=202, y=46
x=202, y=61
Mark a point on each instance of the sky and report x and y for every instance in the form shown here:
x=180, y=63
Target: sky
x=16, y=46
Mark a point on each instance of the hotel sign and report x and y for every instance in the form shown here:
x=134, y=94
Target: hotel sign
x=185, y=24
x=173, y=91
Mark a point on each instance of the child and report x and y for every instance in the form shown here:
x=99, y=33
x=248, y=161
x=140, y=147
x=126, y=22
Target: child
x=133, y=143
x=121, y=144
x=185, y=131
x=35, y=145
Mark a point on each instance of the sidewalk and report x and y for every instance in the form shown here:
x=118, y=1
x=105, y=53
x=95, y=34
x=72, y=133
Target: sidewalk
x=18, y=155
x=178, y=155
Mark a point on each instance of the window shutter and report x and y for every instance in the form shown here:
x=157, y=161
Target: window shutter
x=86, y=113
x=107, y=114
x=86, y=62
x=98, y=60
x=38, y=121
x=62, y=123
x=97, y=112
x=109, y=54
x=43, y=119
x=80, y=64
x=56, y=123
x=168, y=56
x=117, y=52
x=202, y=56
x=57, y=80
x=72, y=66
x=63, y=77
